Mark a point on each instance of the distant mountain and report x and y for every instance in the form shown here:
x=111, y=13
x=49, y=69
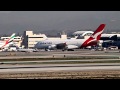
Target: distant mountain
x=9, y=29
x=53, y=22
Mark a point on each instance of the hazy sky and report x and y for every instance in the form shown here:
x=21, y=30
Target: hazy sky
x=56, y=21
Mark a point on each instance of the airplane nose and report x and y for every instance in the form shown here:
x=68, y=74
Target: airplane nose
x=36, y=45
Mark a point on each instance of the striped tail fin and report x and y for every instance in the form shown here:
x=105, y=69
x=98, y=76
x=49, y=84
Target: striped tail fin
x=9, y=40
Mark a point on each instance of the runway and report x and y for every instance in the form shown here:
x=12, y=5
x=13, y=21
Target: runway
x=59, y=54
x=55, y=61
x=57, y=67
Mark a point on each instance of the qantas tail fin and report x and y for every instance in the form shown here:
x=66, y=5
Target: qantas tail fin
x=97, y=34
x=93, y=39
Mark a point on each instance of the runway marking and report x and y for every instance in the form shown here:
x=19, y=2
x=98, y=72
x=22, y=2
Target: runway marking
x=55, y=66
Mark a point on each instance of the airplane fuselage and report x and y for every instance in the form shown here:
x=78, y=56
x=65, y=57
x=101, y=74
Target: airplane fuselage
x=47, y=43
x=72, y=43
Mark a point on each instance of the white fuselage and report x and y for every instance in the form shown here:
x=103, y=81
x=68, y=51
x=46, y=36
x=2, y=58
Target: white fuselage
x=47, y=43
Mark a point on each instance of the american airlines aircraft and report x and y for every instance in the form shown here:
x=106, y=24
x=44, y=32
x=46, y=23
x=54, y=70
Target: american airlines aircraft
x=4, y=44
x=70, y=44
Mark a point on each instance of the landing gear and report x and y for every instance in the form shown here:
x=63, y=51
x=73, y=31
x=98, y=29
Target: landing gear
x=67, y=49
x=70, y=50
x=47, y=49
x=63, y=49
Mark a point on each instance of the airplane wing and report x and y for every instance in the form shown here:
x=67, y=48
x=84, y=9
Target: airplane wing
x=58, y=46
x=63, y=46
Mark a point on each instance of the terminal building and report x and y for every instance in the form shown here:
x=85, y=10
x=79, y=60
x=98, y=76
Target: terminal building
x=30, y=39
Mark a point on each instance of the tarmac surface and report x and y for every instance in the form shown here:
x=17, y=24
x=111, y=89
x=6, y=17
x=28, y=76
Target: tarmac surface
x=59, y=53
x=57, y=67
x=16, y=66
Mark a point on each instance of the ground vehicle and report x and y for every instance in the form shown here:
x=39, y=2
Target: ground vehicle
x=113, y=48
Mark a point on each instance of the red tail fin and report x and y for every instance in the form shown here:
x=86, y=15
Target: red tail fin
x=93, y=39
x=97, y=34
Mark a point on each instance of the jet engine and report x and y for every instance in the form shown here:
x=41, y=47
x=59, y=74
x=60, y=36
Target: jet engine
x=52, y=47
x=71, y=47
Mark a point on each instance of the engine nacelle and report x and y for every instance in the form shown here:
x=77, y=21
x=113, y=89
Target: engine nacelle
x=52, y=47
x=71, y=47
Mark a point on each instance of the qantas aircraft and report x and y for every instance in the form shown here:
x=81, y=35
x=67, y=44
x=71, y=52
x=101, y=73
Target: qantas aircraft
x=70, y=44
x=6, y=43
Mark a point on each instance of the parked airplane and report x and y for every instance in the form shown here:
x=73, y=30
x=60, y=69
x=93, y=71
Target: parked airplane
x=70, y=44
x=4, y=44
